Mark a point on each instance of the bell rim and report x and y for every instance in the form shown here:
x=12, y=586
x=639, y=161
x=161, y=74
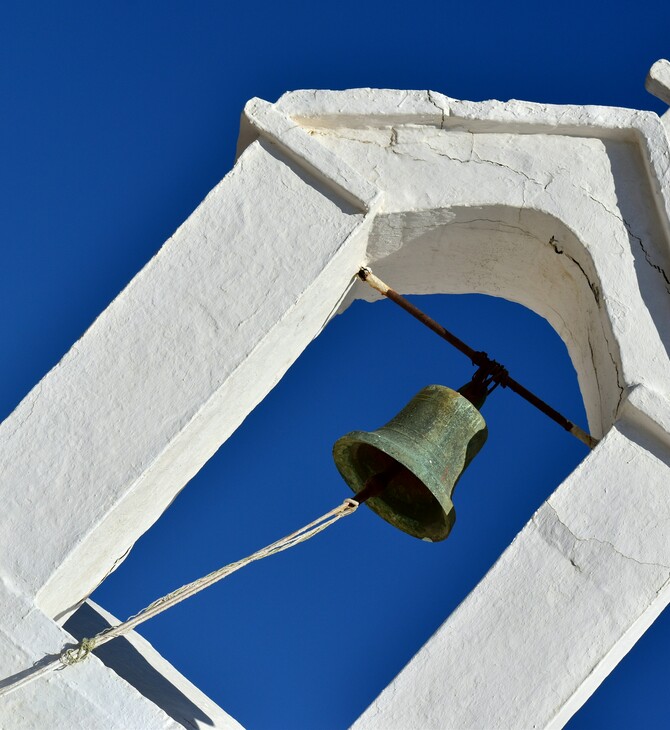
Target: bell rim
x=346, y=443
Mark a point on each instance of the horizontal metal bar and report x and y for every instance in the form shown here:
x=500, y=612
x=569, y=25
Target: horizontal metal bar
x=480, y=359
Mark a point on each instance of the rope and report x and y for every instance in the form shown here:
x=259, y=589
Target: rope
x=78, y=653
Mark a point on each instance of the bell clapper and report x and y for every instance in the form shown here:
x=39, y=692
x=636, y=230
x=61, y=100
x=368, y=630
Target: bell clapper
x=377, y=483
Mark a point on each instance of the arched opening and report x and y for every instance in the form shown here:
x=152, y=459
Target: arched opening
x=309, y=638
x=559, y=251
x=521, y=255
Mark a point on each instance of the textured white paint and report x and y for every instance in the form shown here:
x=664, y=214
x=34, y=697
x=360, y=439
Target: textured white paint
x=564, y=209
x=174, y=364
x=658, y=80
x=134, y=658
x=544, y=627
x=85, y=697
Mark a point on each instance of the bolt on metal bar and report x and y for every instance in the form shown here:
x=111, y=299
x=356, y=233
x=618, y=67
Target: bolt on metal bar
x=480, y=359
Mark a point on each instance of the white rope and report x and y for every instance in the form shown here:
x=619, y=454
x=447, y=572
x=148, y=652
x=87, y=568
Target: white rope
x=79, y=652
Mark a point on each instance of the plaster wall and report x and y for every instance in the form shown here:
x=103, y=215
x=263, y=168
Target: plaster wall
x=564, y=209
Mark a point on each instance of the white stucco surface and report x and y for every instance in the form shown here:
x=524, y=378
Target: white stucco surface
x=90, y=697
x=658, y=80
x=564, y=209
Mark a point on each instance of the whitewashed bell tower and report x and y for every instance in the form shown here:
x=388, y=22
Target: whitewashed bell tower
x=414, y=184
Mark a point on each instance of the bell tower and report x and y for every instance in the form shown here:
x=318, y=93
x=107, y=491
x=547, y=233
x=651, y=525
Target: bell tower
x=413, y=184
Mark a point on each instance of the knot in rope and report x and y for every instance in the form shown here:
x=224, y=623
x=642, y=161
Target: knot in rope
x=77, y=653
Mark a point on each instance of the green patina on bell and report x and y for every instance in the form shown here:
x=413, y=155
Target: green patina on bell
x=420, y=455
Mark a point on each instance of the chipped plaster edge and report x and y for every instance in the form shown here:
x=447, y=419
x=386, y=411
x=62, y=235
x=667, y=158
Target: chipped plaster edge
x=263, y=119
x=657, y=82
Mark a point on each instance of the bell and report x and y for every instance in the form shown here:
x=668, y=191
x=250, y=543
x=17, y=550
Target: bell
x=407, y=469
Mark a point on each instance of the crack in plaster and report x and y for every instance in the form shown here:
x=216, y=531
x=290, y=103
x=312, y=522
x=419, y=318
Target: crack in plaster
x=393, y=144
x=637, y=238
x=621, y=388
x=497, y=222
x=613, y=547
x=593, y=362
x=476, y=159
x=553, y=242
x=595, y=289
x=437, y=106
x=647, y=256
x=596, y=200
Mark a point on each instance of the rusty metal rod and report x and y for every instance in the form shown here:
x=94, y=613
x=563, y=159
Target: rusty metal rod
x=480, y=359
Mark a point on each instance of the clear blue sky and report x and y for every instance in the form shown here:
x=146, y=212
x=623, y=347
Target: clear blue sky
x=117, y=119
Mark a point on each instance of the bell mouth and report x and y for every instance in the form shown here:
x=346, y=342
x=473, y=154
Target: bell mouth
x=406, y=503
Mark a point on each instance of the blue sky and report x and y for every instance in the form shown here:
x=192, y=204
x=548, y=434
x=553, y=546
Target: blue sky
x=117, y=119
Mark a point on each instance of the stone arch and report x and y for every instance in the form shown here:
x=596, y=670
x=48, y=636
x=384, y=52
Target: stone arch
x=528, y=257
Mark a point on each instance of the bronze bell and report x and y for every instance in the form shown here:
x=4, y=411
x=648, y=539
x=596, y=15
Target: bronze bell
x=413, y=462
